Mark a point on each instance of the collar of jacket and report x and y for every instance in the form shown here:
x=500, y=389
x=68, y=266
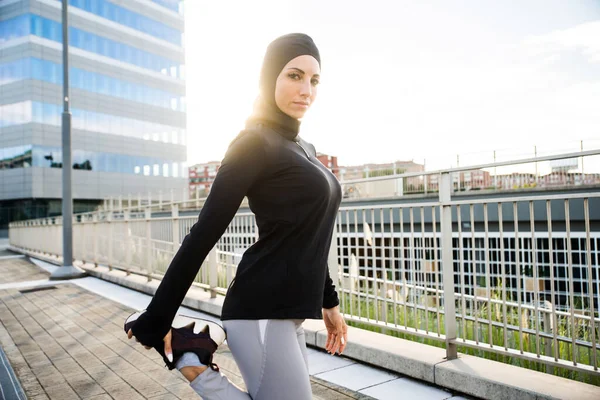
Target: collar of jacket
x=270, y=116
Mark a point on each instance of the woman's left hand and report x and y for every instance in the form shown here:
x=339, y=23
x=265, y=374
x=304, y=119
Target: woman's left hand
x=337, y=330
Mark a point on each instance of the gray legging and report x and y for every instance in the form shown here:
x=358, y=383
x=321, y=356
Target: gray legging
x=271, y=355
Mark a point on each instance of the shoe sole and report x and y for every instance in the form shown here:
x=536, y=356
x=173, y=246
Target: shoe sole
x=216, y=331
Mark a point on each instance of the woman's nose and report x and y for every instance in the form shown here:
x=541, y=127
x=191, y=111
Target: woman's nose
x=306, y=89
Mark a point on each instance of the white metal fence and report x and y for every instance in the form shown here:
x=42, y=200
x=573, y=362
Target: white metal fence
x=522, y=272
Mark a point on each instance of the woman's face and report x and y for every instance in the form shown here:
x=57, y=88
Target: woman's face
x=296, y=86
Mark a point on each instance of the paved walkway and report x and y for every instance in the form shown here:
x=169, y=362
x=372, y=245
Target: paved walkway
x=65, y=341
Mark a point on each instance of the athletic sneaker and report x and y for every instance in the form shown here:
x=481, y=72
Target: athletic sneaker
x=188, y=334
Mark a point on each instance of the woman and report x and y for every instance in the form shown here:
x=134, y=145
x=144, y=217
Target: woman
x=283, y=278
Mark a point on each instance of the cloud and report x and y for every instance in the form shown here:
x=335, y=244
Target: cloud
x=584, y=38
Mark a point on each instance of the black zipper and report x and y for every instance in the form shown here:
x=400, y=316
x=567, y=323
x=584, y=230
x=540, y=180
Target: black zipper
x=305, y=152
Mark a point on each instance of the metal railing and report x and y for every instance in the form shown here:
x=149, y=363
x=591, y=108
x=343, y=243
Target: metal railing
x=521, y=273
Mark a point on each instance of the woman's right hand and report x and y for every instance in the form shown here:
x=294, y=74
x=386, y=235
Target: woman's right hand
x=166, y=339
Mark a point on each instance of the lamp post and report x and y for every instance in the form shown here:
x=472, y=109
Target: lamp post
x=67, y=270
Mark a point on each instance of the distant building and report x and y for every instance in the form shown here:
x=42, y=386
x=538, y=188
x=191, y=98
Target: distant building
x=371, y=170
x=569, y=179
x=464, y=181
x=516, y=180
x=330, y=162
x=201, y=177
x=387, y=188
x=127, y=100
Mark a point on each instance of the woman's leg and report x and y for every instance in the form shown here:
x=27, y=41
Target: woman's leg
x=270, y=358
x=301, y=337
x=209, y=384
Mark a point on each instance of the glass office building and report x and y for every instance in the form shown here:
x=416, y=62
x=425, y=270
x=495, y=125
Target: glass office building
x=127, y=86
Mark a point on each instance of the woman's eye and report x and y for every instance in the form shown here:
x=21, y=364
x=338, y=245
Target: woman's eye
x=315, y=82
x=294, y=76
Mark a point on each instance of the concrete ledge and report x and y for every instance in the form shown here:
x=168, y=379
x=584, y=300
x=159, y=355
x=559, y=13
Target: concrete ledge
x=196, y=298
x=398, y=355
x=494, y=380
x=471, y=375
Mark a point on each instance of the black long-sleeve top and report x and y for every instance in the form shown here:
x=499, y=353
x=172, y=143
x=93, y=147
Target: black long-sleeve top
x=284, y=275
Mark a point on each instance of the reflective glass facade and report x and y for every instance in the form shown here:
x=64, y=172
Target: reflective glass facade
x=173, y=5
x=50, y=114
x=31, y=24
x=126, y=17
x=143, y=147
x=51, y=157
x=43, y=70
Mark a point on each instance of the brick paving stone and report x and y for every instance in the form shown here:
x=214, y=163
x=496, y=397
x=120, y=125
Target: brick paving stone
x=145, y=385
x=104, y=376
x=101, y=351
x=183, y=391
x=330, y=390
x=29, y=348
x=169, y=396
x=36, y=359
x=76, y=350
x=139, y=360
x=164, y=377
x=50, y=380
x=84, y=385
x=99, y=397
x=48, y=375
x=31, y=388
x=55, y=353
x=121, y=366
x=21, y=270
x=68, y=366
x=61, y=392
x=122, y=391
x=88, y=360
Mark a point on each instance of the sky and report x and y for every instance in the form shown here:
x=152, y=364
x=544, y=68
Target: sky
x=407, y=79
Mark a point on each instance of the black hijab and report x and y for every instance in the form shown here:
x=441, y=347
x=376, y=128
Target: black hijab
x=281, y=51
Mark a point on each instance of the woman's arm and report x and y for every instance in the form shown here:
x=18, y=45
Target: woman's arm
x=242, y=166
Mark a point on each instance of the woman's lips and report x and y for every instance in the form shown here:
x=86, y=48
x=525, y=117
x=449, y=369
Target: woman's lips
x=300, y=104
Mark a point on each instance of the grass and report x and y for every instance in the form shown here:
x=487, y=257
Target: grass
x=416, y=315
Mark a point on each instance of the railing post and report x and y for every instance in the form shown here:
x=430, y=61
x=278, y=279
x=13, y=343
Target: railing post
x=96, y=238
x=448, y=265
x=74, y=246
x=175, y=219
x=109, y=238
x=548, y=328
x=83, y=239
x=332, y=261
x=148, y=216
x=126, y=217
x=212, y=272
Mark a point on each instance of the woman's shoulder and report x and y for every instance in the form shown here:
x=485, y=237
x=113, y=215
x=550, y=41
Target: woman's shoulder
x=248, y=137
x=253, y=137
